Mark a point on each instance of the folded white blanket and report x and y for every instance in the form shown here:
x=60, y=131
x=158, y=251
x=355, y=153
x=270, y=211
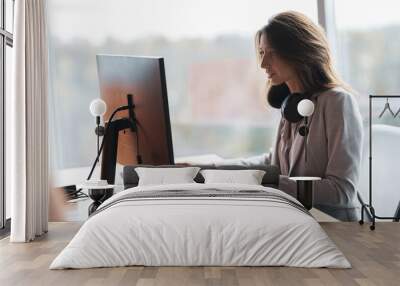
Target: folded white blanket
x=201, y=224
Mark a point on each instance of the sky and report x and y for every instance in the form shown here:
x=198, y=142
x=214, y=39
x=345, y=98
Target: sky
x=367, y=14
x=127, y=19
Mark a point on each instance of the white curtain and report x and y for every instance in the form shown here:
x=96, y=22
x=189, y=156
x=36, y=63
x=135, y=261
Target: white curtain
x=28, y=148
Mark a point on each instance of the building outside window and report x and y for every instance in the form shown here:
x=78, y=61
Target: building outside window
x=216, y=90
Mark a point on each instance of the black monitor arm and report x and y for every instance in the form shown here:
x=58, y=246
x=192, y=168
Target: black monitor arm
x=109, y=158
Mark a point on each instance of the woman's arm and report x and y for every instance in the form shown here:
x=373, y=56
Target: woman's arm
x=344, y=133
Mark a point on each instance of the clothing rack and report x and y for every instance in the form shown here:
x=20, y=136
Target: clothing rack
x=368, y=207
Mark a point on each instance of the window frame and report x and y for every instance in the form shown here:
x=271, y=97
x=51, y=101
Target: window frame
x=326, y=19
x=326, y=16
x=6, y=39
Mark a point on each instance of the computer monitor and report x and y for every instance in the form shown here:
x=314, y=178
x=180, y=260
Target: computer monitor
x=144, y=78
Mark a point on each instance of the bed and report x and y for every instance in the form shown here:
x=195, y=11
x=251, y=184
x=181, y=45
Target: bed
x=198, y=224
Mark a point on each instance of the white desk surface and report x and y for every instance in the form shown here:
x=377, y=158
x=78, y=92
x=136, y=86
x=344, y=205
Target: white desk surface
x=305, y=178
x=75, y=176
x=200, y=159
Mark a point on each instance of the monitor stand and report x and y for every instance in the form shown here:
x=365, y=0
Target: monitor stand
x=109, y=158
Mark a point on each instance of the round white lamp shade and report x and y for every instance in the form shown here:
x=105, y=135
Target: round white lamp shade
x=98, y=107
x=305, y=107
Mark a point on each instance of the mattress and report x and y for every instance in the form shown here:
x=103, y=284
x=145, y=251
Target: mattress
x=201, y=225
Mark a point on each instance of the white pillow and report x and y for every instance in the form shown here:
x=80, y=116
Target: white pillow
x=162, y=176
x=248, y=177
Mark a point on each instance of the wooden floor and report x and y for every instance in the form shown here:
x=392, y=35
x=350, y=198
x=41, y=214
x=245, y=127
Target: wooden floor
x=374, y=255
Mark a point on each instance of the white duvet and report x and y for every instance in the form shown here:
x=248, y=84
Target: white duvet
x=200, y=231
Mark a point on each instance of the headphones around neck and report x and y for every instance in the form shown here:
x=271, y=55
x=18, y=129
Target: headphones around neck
x=279, y=97
x=294, y=107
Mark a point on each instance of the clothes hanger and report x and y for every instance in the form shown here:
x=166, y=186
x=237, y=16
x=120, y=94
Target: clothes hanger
x=387, y=107
x=398, y=112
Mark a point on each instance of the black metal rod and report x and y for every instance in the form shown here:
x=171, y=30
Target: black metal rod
x=305, y=193
x=98, y=137
x=384, y=96
x=370, y=150
x=385, y=217
x=305, y=139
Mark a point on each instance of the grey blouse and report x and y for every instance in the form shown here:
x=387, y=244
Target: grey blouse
x=334, y=153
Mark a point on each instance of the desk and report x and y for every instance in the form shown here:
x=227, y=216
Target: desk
x=200, y=159
x=75, y=176
x=321, y=216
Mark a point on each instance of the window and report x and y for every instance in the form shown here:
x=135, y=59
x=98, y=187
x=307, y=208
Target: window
x=369, y=60
x=215, y=89
x=369, y=47
x=6, y=43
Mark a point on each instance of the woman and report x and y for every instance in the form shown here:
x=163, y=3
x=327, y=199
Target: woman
x=295, y=55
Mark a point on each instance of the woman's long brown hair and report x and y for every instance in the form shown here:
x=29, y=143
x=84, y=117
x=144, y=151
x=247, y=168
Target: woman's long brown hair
x=303, y=45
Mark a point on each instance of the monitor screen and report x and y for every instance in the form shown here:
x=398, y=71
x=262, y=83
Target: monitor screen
x=144, y=78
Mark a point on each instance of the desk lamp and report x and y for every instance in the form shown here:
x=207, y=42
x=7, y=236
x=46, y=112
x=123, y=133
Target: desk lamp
x=305, y=184
x=98, y=108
